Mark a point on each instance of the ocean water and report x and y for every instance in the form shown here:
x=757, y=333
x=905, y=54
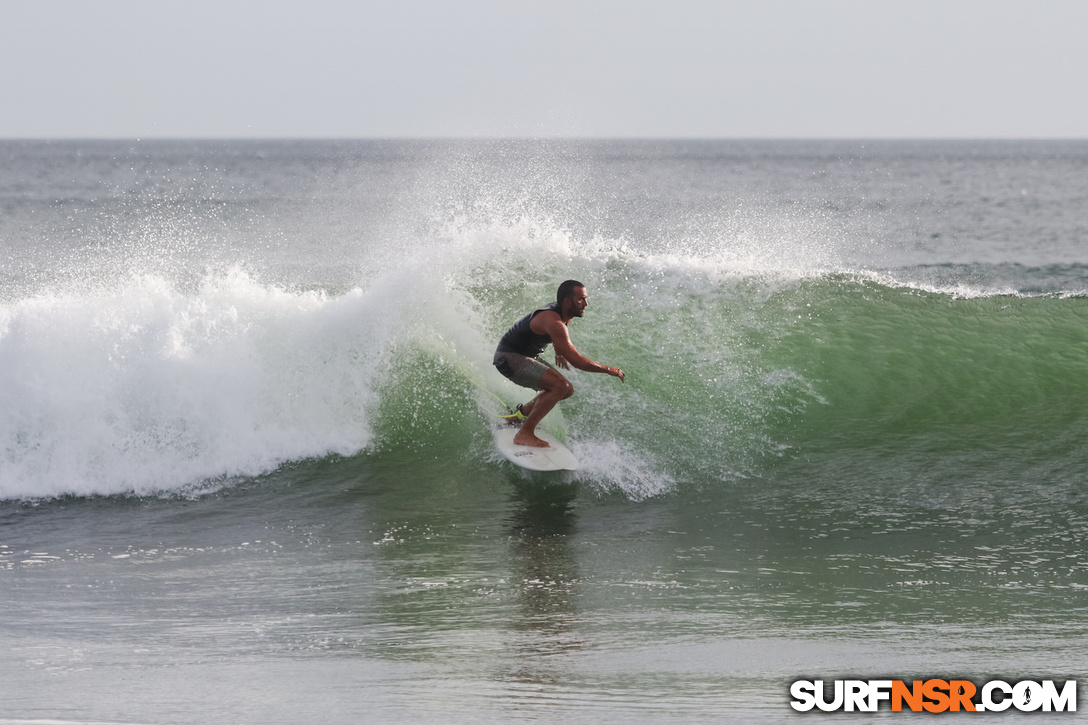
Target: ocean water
x=246, y=474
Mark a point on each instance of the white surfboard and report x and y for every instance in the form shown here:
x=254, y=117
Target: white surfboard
x=556, y=457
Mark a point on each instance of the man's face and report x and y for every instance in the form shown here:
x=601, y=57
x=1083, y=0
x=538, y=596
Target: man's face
x=578, y=301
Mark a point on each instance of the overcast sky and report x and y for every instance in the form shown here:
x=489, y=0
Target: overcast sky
x=588, y=68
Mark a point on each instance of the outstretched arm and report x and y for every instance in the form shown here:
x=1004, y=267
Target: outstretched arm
x=565, y=353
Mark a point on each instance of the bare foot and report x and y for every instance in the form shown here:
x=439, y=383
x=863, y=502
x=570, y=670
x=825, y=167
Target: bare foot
x=523, y=438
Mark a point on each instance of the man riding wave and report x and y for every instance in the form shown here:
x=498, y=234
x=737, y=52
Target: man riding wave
x=518, y=358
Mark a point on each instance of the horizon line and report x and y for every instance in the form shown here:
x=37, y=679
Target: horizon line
x=467, y=138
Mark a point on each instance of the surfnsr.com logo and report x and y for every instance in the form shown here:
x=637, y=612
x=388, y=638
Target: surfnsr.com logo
x=934, y=695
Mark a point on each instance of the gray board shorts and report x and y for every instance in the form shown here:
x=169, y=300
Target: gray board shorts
x=525, y=371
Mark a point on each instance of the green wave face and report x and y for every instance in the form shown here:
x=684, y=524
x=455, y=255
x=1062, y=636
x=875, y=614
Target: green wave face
x=898, y=361
x=734, y=376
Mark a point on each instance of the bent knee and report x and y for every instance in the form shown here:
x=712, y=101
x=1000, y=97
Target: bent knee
x=566, y=390
x=555, y=383
x=559, y=387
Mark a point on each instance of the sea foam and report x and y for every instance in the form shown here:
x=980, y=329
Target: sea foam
x=146, y=388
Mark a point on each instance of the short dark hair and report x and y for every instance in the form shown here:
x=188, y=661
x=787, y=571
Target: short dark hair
x=566, y=290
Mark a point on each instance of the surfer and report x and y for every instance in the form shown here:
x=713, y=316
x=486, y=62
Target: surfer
x=518, y=358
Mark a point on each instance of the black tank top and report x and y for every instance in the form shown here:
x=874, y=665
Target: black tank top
x=521, y=339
